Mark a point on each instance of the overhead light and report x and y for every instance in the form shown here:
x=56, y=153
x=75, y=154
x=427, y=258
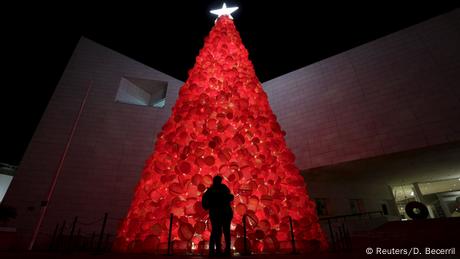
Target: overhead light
x=412, y=193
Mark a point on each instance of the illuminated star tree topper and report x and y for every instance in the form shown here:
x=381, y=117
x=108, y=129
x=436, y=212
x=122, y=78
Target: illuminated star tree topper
x=224, y=11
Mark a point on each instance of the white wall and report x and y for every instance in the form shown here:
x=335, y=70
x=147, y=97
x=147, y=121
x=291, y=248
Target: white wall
x=5, y=181
x=107, y=152
x=397, y=93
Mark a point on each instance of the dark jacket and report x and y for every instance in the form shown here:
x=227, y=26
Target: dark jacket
x=217, y=197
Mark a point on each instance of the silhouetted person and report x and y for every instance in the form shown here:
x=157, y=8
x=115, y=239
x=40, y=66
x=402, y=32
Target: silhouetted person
x=217, y=199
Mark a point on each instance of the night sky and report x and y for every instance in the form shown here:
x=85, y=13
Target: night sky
x=281, y=36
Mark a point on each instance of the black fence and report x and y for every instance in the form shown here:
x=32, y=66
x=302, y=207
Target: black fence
x=339, y=232
x=70, y=237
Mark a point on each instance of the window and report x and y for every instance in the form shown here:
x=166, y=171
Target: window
x=145, y=92
x=384, y=209
x=356, y=206
x=322, y=206
x=6, y=176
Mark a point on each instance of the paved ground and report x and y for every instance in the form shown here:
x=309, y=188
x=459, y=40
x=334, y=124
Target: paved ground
x=438, y=233
x=38, y=255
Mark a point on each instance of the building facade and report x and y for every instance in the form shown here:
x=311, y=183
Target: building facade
x=362, y=124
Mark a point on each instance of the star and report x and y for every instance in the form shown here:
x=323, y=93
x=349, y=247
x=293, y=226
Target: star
x=224, y=11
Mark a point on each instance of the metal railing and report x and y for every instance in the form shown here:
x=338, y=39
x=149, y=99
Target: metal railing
x=339, y=233
x=72, y=238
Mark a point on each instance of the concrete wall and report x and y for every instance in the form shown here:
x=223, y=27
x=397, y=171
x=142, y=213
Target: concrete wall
x=396, y=93
x=107, y=152
x=339, y=195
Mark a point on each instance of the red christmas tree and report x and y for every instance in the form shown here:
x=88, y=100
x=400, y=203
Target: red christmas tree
x=221, y=124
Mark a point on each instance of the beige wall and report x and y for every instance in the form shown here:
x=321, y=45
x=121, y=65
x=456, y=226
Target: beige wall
x=396, y=93
x=108, y=150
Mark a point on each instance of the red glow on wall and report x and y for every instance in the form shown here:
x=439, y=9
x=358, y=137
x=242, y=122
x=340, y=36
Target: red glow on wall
x=221, y=124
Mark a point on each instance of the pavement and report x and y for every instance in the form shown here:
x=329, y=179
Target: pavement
x=343, y=255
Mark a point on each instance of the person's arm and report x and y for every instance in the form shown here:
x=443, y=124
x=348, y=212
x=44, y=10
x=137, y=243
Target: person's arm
x=230, y=197
x=205, y=200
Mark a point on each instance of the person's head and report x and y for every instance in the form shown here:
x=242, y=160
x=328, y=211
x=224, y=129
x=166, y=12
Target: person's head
x=217, y=180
